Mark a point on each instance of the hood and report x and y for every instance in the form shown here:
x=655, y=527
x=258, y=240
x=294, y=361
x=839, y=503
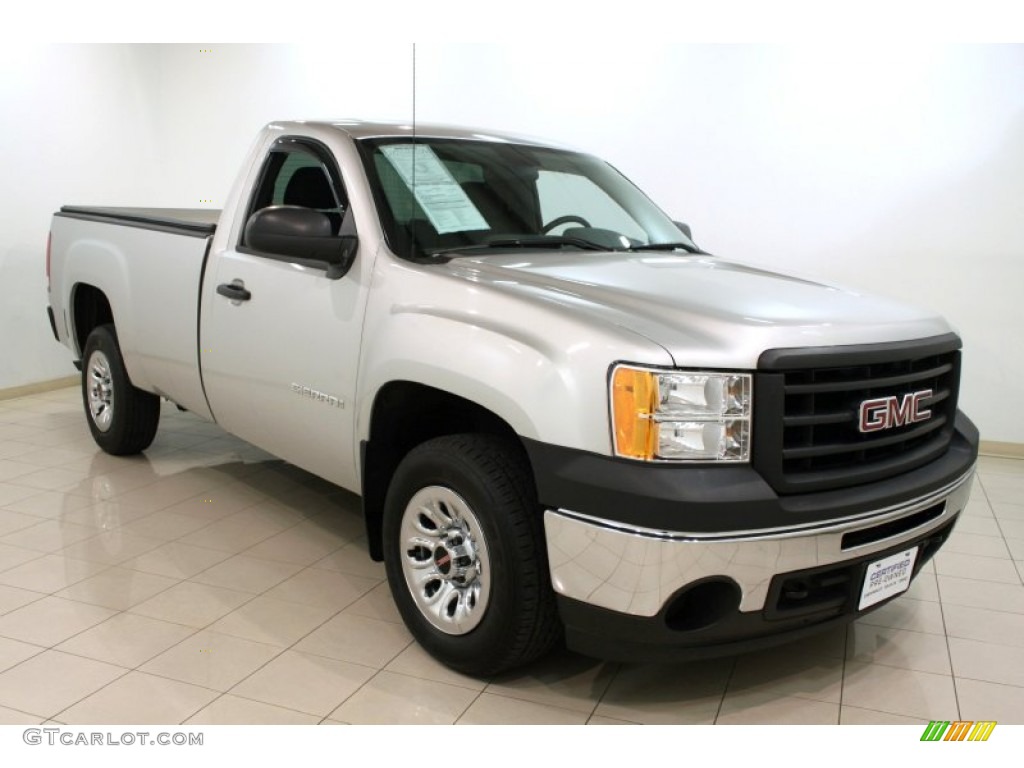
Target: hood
x=703, y=310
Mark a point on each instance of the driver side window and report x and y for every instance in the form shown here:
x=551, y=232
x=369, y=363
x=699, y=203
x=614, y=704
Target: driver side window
x=293, y=174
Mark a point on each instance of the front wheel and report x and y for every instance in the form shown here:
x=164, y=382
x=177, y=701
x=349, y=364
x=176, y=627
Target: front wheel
x=465, y=555
x=122, y=418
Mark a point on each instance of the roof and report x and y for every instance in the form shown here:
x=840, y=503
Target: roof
x=365, y=129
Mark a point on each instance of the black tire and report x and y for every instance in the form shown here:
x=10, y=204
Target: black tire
x=517, y=620
x=122, y=419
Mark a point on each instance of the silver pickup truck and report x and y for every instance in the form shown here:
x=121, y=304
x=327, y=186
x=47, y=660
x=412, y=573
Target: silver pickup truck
x=564, y=418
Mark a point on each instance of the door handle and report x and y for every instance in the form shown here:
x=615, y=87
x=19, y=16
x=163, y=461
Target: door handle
x=234, y=291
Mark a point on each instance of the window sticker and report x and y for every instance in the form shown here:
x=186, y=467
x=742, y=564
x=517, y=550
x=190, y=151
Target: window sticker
x=437, y=192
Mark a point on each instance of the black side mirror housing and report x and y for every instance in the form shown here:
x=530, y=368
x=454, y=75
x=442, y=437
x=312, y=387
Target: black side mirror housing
x=303, y=234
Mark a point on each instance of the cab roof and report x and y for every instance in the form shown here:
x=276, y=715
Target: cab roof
x=365, y=129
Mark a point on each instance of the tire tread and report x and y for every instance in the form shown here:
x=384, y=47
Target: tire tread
x=136, y=412
x=532, y=624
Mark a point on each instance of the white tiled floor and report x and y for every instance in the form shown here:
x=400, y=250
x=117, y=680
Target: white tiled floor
x=206, y=582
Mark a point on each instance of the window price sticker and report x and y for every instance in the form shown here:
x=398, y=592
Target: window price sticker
x=438, y=193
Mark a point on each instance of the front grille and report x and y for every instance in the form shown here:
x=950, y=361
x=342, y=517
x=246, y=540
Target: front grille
x=807, y=412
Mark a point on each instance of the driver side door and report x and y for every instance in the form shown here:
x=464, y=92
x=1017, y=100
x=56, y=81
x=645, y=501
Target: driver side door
x=279, y=337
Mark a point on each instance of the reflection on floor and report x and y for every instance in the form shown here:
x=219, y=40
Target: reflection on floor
x=206, y=582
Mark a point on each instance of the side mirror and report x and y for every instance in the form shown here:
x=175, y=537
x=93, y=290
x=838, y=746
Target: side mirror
x=303, y=234
x=685, y=229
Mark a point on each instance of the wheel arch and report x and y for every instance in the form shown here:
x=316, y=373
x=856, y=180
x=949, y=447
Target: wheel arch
x=90, y=308
x=404, y=415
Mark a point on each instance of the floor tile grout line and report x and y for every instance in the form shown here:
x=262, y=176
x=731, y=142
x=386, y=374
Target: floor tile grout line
x=428, y=679
x=469, y=706
x=975, y=554
x=485, y=692
x=597, y=701
x=178, y=539
x=206, y=627
x=381, y=670
x=951, y=636
x=616, y=671
x=725, y=689
x=986, y=581
x=22, y=711
x=365, y=682
x=1016, y=563
x=285, y=649
x=127, y=670
x=128, y=610
x=890, y=712
x=513, y=695
x=231, y=691
x=988, y=501
x=842, y=676
x=949, y=649
x=222, y=694
x=26, y=562
x=1000, y=683
x=42, y=649
x=91, y=693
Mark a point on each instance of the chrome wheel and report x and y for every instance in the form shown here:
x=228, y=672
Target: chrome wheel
x=100, y=389
x=444, y=560
x=463, y=545
x=122, y=419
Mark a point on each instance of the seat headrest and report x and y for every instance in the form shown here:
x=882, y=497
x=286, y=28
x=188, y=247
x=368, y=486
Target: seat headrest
x=309, y=188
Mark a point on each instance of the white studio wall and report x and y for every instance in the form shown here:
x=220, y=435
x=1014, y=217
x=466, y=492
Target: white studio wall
x=212, y=104
x=148, y=125
x=77, y=127
x=895, y=170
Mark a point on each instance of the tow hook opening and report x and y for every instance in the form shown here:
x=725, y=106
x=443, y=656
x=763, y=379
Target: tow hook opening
x=703, y=604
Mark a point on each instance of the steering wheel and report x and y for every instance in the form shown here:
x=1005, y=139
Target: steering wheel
x=564, y=220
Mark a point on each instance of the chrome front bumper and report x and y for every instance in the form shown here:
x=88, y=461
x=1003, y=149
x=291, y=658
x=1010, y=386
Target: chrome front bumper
x=637, y=570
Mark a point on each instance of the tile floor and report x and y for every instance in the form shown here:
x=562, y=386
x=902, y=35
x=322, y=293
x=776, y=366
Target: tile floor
x=207, y=582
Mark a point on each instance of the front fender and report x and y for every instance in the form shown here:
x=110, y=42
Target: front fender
x=539, y=367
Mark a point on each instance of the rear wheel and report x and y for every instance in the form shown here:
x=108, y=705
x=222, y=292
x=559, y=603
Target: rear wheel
x=465, y=555
x=122, y=418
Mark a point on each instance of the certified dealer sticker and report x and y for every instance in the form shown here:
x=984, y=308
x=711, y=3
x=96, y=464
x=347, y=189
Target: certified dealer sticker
x=887, y=577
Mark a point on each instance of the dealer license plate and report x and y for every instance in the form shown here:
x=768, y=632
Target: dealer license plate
x=887, y=577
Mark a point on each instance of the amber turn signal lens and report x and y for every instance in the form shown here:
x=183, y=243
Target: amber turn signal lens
x=634, y=398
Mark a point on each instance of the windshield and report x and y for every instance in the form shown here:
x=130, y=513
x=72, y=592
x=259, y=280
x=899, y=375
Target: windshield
x=441, y=195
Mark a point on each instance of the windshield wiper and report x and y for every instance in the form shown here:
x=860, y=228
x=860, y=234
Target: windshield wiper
x=688, y=247
x=523, y=241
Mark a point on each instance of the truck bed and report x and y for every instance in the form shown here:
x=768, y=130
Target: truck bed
x=148, y=264
x=197, y=222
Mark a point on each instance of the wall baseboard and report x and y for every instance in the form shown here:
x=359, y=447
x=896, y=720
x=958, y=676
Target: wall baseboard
x=40, y=386
x=1003, y=450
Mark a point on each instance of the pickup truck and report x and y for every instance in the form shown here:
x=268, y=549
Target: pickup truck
x=566, y=421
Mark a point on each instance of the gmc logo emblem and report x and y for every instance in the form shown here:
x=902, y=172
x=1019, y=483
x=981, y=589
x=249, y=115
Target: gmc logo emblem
x=888, y=412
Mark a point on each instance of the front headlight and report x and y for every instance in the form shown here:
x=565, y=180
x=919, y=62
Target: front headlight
x=681, y=415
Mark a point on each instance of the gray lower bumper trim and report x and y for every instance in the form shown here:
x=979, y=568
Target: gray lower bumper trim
x=635, y=570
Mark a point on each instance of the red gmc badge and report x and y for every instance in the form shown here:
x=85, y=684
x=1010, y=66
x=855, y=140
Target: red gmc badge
x=888, y=412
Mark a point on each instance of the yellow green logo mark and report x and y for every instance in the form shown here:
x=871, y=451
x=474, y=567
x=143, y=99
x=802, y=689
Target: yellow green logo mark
x=958, y=730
